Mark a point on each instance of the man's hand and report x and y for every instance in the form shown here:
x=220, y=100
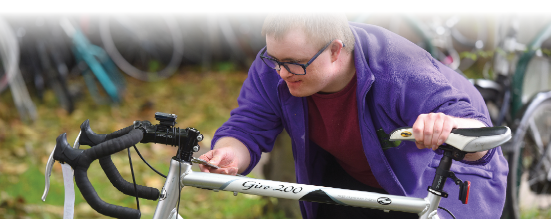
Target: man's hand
x=230, y=154
x=223, y=158
x=431, y=130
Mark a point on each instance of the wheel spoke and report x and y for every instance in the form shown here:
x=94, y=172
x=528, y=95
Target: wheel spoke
x=540, y=150
x=536, y=135
x=544, y=158
x=535, y=179
x=533, y=196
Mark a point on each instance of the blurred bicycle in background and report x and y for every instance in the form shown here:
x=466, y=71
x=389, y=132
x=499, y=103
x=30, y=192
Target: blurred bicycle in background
x=10, y=73
x=515, y=82
x=148, y=48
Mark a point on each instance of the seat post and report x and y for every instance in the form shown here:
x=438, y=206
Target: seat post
x=442, y=172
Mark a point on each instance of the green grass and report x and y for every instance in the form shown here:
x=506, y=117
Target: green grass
x=202, y=101
x=535, y=214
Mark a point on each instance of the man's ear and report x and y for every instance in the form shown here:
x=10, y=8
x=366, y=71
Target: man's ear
x=336, y=49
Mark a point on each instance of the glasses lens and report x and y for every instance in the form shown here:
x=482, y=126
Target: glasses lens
x=295, y=69
x=271, y=63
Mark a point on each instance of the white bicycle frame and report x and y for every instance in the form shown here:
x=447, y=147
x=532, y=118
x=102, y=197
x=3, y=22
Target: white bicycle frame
x=178, y=177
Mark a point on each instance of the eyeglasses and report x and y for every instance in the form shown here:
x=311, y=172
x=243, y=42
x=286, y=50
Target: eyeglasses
x=292, y=67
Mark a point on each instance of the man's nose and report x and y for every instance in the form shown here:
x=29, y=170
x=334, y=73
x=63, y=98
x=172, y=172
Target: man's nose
x=284, y=73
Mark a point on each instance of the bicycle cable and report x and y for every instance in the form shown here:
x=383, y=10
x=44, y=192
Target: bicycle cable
x=179, y=175
x=449, y=212
x=143, y=159
x=133, y=179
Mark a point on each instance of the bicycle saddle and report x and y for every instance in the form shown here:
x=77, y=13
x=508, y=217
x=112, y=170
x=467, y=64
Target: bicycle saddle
x=464, y=139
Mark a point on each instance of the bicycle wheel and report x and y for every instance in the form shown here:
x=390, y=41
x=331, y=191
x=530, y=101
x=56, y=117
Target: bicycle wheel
x=3, y=78
x=146, y=48
x=530, y=168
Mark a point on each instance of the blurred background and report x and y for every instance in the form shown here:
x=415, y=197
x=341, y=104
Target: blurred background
x=56, y=71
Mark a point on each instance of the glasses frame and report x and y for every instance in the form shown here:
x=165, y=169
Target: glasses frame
x=279, y=64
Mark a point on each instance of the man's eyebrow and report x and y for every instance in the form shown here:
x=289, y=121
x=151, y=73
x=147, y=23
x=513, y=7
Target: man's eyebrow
x=283, y=60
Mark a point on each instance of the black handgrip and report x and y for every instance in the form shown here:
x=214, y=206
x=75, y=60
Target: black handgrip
x=101, y=150
x=88, y=137
x=114, y=145
x=124, y=186
x=102, y=207
x=80, y=161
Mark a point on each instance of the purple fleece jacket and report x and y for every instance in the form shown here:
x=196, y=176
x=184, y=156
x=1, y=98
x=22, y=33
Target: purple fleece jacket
x=397, y=81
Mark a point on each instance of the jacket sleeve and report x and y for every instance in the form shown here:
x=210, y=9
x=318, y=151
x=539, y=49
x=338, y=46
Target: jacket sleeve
x=445, y=91
x=257, y=120
x=411, y=83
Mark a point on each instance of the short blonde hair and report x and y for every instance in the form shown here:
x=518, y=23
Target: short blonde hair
x=321, y=28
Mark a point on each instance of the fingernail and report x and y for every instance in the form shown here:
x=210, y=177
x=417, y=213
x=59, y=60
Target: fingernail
x=439, y=142
x=434, y=147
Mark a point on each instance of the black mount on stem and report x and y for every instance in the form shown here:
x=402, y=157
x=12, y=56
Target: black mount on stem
x=443, y=172
x=165, y=133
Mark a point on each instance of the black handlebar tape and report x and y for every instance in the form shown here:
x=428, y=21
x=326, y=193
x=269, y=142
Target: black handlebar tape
x=92, y=139
x=102, y=207
x=87, y=190
x=80, y=161
x=124, y=186
x=88, y=137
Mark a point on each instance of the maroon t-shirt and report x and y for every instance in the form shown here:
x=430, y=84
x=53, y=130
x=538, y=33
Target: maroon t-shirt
x=334, y=126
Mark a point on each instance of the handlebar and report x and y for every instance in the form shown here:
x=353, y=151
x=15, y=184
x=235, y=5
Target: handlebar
x=88, y=137
x=103, y=145
x=460, y=142
x=464, y=139
x=80, y=161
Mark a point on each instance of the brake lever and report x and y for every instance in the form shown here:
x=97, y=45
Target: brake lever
x=50, y=165
x=68, y=173
x=48, y=173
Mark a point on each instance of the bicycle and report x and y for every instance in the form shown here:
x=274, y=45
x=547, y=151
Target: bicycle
x=527, y=108
x=94, y=63
x=180, y=173
x=9, y=57
x=439, y=36
x=46, y=60
x=138, y=45
x=514, y=100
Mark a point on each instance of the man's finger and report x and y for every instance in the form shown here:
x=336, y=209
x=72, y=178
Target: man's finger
x=204, y=168
x=232, y=171
x=428, y=130
x=447, y=127
x=220, y=171
x=419, y=145
x=418, y=128
x=215, y=160
x=437, y=130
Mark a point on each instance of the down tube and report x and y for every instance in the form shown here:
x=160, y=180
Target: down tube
x=303, y=192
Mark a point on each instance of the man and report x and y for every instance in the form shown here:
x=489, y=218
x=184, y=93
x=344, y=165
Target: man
x=335, y=87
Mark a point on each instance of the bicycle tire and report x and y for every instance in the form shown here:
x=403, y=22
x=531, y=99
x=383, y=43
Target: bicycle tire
x=9, y=53
x=3, y=78
x=130, y=68
x=528, y=183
